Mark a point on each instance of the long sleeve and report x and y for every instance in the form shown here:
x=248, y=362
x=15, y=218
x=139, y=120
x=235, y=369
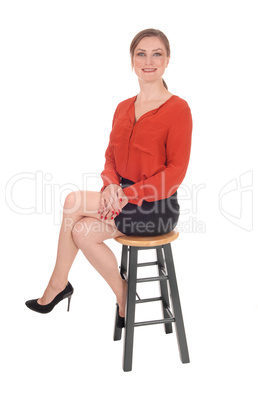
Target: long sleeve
x=109, y=174
x=163, y=184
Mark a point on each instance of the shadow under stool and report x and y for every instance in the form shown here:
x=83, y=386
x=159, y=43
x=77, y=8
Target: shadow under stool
x=168, y=290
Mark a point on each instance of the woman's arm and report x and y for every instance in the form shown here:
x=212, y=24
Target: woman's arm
x=109, y=175
x=166, y=182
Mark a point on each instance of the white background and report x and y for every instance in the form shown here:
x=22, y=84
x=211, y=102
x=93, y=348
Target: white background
x=64, y=67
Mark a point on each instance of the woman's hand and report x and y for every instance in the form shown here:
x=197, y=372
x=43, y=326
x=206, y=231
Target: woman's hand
x=112, y=200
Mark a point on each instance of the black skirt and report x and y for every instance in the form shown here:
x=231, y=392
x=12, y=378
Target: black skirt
x=151, y=218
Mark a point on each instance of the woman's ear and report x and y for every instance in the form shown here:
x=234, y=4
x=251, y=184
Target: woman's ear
x=168, y=58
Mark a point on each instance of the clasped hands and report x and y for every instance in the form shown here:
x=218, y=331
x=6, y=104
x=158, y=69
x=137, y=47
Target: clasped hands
x=112, y=200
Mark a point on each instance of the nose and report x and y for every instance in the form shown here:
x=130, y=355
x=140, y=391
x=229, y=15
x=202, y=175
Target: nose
x=148, y=60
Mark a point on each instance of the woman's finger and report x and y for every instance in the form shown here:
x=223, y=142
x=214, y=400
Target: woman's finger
x=106, y=211
x=112, y=209
x=116, y=204
x=101, y=205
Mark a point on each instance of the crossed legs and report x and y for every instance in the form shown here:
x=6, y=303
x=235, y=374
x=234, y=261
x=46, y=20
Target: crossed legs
x=83, y=229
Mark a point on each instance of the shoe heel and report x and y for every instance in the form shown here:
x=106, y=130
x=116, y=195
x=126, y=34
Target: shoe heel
x=69, y=301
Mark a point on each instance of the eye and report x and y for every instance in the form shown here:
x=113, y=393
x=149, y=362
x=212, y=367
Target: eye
x=159, y=54
x=138, y=54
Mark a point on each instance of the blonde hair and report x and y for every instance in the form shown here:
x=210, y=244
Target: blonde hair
x=149, y=32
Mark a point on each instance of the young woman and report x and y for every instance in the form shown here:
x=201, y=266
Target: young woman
x=146, y=161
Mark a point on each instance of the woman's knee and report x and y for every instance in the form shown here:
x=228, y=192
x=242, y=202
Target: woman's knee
x=72, y=202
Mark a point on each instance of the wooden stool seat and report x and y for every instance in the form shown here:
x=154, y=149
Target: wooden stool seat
x=148, y=241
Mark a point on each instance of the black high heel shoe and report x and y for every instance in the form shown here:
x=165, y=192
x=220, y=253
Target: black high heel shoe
x=120, y=321
x=66, y=293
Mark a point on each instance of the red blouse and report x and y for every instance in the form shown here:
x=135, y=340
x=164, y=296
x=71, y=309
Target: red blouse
x=154, y=152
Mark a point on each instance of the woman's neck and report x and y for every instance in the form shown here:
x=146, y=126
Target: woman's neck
x=152, y=91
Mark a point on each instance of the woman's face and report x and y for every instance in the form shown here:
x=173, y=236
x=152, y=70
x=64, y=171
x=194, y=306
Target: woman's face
x=150, y=59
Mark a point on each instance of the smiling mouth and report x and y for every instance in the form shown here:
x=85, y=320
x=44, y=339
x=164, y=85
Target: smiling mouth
x=149, y=70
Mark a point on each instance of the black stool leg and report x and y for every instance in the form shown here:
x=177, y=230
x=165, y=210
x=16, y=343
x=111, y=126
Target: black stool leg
x=179, y=323
x=163, y=290
x=130, y=310
x=123, y=270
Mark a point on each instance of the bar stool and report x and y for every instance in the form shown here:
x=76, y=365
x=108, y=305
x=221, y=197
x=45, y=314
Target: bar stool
x=167, y=276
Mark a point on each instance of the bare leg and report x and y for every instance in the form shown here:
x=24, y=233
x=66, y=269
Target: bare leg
x=89, y=235
x=77, y=205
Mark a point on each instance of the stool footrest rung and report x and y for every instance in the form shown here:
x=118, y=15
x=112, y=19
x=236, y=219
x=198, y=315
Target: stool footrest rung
x=145, y=264
x=148, y=300
x=153, y=278
x=164, y=321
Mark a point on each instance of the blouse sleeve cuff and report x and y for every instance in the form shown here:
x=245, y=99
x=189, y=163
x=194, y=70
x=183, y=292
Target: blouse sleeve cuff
x=133, y=197
x=106, y=182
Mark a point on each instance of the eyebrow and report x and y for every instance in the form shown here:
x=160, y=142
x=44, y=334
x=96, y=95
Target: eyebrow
x=154, y=50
